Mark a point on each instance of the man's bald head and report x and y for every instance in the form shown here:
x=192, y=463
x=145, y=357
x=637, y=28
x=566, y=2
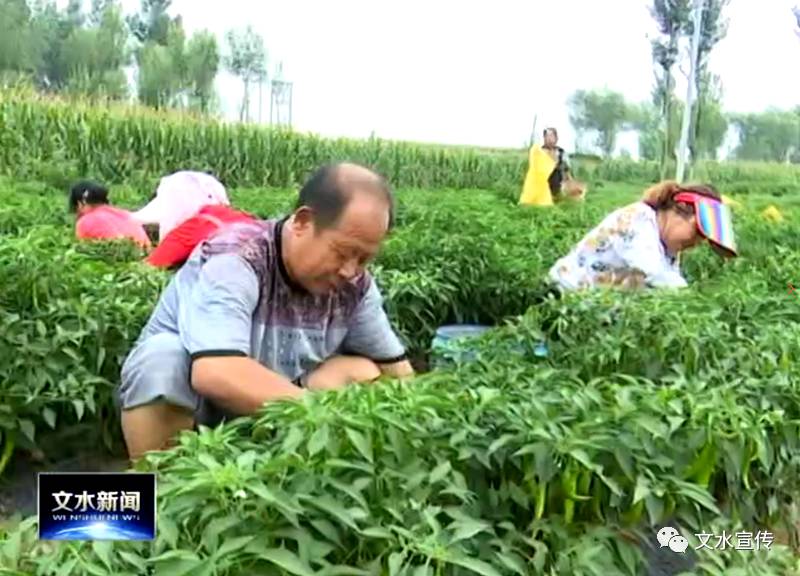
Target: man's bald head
x=329, y=191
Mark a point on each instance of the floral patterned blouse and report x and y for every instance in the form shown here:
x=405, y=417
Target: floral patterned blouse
x=624, y=250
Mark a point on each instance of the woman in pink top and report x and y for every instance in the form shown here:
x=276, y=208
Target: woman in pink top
x=98, y=220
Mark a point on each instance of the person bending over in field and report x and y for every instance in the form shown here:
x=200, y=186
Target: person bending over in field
x=638, y=245
x=181, y=196
x=98, y=220
x=264, y=311
x=176, y=247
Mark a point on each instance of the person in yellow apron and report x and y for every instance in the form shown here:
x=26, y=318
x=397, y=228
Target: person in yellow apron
x=548, y=174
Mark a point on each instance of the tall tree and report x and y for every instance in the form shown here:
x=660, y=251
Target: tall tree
x=94, y=56
x=202, y=65
x=161, y=70
x=51, y=29
x=19, y=51
x=648, y=123
x=604, y=112
x=179, y=73
x=773, y=136
x=712, y=125
x=75, y=15
x=671, y=17
x=714, y=28
x=246, y=59
x=152, y=23
x=98, y=9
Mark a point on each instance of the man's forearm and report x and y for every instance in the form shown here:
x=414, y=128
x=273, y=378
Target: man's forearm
x=240, y=385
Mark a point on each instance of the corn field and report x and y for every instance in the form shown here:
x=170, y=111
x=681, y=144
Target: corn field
x=114, y=143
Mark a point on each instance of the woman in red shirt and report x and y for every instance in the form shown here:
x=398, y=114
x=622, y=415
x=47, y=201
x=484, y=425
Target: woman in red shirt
x=177, y=245
x=98, y=220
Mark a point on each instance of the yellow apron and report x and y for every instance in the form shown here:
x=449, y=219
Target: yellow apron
x=536, y=190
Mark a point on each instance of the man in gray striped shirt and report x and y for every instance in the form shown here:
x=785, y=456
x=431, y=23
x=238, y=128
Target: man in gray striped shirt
x=265, y=311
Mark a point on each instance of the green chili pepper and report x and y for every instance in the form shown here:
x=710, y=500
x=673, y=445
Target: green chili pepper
x=541, y=497
x=597, y=501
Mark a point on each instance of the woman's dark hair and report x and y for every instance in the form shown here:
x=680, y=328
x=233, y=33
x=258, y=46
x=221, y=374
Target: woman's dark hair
x=88, y=192
x=553, y=130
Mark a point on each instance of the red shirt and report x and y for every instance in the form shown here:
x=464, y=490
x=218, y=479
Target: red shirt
x=177, y=246
x=109, y=223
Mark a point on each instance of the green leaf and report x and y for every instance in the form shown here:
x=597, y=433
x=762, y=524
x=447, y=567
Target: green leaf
x=233, y=544
x=49, y=416
x=345, y=571
x=79, y=406
x=210, y=535
x=28, y=429
x=396, y=560
x=328, y=530
x=103, y=551
x=630, y=558
x=474, y=565
x=512, y=562
x=702, y=497
x=293, y=439
x=500, y=442
x=168, y=530
x=246, y=460
x=11, y=547
x=283, y=504
x=655, y=509
x=136, y=561
x=466, y=529
x=68, y=567
x=642, y=489
x=332, y=507
x=92, y=568
x=318, y=441
x=582, y=457
x=440, y=472
x=287, y=560
x=361, y=442
x=208, y=461
x=177, y=563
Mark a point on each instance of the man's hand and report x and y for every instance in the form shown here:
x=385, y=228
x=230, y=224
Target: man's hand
x=401, y=369
x=340, y=371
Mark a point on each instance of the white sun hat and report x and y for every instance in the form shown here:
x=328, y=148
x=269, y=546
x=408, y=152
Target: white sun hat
x=180, y=196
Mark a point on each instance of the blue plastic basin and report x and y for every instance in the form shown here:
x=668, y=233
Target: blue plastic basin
x=450, y=345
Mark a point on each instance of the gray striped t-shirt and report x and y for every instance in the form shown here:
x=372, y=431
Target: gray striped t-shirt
x=233, y=295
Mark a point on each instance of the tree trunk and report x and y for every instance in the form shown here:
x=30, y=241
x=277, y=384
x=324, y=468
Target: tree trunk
x=694, y=153
x=693, y=150
x=666, y=107
x=245, y=100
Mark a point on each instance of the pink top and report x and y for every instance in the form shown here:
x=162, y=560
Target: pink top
x=108, y=223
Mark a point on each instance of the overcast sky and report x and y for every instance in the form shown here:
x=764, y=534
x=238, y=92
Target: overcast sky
x=477, y=71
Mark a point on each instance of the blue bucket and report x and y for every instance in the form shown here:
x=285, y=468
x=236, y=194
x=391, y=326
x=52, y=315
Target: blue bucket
x=450, y=346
